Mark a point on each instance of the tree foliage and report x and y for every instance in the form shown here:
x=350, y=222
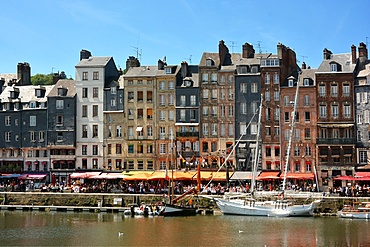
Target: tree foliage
x=42, y=79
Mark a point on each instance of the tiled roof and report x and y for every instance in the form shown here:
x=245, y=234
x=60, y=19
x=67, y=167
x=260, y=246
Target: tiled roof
x=343, y=59
x=94, y=62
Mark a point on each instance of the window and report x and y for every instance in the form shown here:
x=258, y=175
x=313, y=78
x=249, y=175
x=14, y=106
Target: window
x=130, y=148
x=363, y=156
x=171, y=99
x=41, y=136
x=162, y=148
x=276, y=114
x=254, y=107
x=205, y=93
x=214, y=111
x=346, y=90
x=243, y=108
x=162, y=133
x=267, y=95
x=150, y=131
x=347, y=110
x=171, y=85
x=307, y=116
x=95, y=110
x=322, y=90
x=182, y=100
x=95, y=149
x=193, y=100
x=95, y=75
x=84, y=149
x=140, y=113
x=214, y=129
x=84, y=131
x=162, y=100
x=85, y=76
x=267, y=78
x=8, y=136
x=306, y=82
x=95, y=92
x=243, y=87
x=32, y=120
x=32, y=136
x=162, y=115
x=276, y=95
x=308, y=151
x=307, y=134
x=84, y=92
x=231, y=94
x=214, y=78
x=171, y=115
x=182, y=115
x=162, y=85
x=205, y=111
x=296, y=151
x=205, y=78
x=306, y=100
x=297, y=167
x=59, y=120
x=149, y=149
x=276, y=130
x=214, y=93
x=333, y=67
x=113, y=90
x=140, y=96
x=276, y=79
x=253, y=128
x=95, y=131
x=286, y=117
x=286, y=101
x=8, y=121
x=268, y=131
x=59, y=104
x=118, y=131
x=149, y=113
x=118, y=149
x=290, y=83
x=222, y=110
x=205, y=128
x=84, y=110
x=149, y=96
x=322, y=111
x=254, y=87
x=335, y=111
x=231, y=111
x=334, y=90
x=113, y=102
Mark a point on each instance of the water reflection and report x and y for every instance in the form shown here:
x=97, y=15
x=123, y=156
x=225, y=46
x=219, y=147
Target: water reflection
x=101, y=229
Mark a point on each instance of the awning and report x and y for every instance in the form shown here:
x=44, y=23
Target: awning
x=32, y=177
x=139, y=128
x=298, y=175
x=362, y=174
x=242, y=175
x=108, y=175
x=6, y=176
x=344, y=178
x=268, y=175
x=137, y=176
x=220, y=176
x=84, y=174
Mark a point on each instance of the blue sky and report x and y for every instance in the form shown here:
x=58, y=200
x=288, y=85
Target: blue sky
x=49, y=34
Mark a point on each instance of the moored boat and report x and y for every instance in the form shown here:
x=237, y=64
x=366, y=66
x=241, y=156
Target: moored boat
x=359, y=210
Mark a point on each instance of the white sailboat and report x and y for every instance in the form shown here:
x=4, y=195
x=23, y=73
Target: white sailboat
x=278, y=208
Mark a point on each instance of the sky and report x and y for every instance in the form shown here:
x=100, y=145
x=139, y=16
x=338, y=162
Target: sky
x=49, y=34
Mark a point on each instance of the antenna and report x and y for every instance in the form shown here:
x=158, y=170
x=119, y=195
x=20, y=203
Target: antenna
x=189, y=59
x=259, y=47
x=367, y=43
x=138, y=52
x=232, y=46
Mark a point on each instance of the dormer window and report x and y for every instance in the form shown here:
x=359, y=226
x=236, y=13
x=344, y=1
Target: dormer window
x=290, y=82
x=32, y=104
x=62, y=91
x=187, y=83
x=168, y=70
x=243, y=70
x=333, y=67
x=254, y=69
x=306, y=82
x=209, y=62
x=113, y=90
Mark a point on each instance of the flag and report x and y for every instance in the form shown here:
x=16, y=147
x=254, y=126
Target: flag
x=167, y=177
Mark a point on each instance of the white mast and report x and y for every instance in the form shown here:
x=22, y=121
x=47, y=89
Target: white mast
x=256, y=158
x=291, y=132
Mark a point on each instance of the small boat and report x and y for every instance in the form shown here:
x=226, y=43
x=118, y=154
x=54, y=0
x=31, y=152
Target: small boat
x=174, y=209
x=359, y=210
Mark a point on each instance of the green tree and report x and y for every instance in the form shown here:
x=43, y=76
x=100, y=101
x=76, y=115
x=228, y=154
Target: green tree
x=41, y=79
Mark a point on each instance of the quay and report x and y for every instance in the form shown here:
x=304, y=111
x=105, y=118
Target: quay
x=119, y=202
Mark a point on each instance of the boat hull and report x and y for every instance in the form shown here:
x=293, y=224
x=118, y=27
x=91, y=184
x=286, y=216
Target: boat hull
x=354, y=215
x=271, y=209
x=173, y=210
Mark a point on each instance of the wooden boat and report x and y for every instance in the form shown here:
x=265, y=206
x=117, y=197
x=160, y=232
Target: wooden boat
x=359, y=210
x=174, y=209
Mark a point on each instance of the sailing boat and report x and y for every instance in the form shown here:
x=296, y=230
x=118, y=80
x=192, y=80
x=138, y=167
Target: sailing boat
x=172, y=208
x=278, y=208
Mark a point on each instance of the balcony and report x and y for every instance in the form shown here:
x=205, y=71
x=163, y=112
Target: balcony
x=187, y=134
x=335, y=141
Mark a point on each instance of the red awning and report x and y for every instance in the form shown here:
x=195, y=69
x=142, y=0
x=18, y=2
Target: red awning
x=298, y=175
x=344, y=178
x=32, y=177
x=268, y=175
x=362, y=174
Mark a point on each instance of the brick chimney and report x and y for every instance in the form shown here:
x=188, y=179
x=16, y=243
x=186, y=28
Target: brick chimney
x=24, y=74
x=362, y=51
x=223, y=52
x=85, y=54
x=248, y=51
x=132, y=62
x=303, y=65
x=184, y=69
x=353, y=53
x=327, y=54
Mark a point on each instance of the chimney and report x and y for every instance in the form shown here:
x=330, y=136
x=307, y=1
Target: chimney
x=160, y=64
x=248, y=51
x=24, y=74
x=353, y=53
x=303, y=65
x=184, y=69
x=132, y=62
x=362, y=51
x=85, y=54
x=223, y=53
x=327, y=54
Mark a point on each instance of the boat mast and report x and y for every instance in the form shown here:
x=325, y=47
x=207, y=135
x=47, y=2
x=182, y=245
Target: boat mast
x=291, y=132
x=256, y=158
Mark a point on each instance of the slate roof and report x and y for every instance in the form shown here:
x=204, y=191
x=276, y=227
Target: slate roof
x=307, y=73
x=94, y=62
x=365, y=72
x=142, y=71
x=26, y=93
x=344, y=60
x=68, y=84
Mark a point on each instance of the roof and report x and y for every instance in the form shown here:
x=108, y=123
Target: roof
x=68, y=84
x=209, y=55
x=8, y=77
x=365, y=72
x=26, y=93
x=142, y=71
x=344, y=60
x=94, y=62
x=307, y=73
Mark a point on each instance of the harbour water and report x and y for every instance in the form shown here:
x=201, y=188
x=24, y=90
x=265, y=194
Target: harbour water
x=34, y=228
